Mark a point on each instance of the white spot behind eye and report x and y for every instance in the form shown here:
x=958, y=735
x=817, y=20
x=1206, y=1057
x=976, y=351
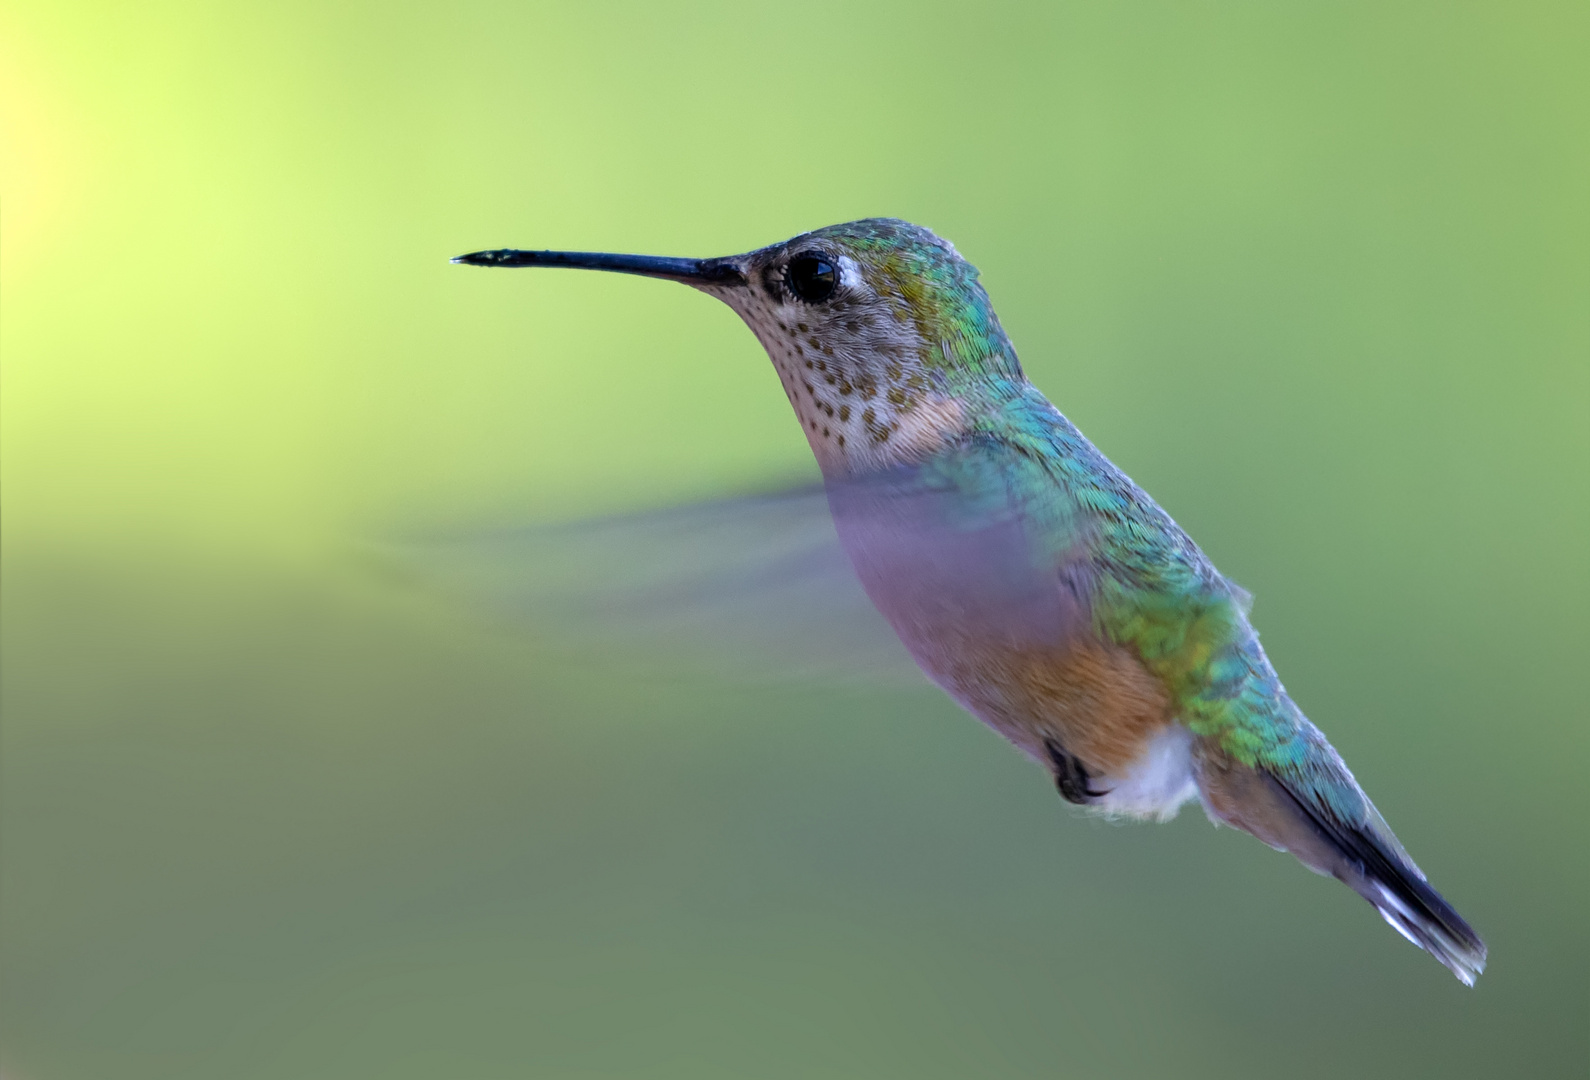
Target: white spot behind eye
x=849, y=273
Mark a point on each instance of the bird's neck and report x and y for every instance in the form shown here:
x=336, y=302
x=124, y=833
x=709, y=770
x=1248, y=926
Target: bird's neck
x=892, y=426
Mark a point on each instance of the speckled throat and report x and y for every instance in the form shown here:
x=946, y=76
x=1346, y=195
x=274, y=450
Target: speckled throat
x=863, y=397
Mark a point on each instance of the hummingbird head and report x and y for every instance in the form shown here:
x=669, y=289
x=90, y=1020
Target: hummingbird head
x=878, y=329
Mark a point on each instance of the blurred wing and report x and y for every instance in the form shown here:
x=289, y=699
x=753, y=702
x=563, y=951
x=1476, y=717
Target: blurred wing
x=756, y=586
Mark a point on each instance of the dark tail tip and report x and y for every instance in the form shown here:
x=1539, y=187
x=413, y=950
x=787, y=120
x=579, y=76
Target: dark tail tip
x=1365, y=856
x=1415, y=910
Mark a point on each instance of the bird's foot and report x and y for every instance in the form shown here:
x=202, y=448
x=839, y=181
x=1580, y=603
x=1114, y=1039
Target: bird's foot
x=1071, y=777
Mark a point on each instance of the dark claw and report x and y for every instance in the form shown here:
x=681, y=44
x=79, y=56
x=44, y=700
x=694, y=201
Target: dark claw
x=1071, y=776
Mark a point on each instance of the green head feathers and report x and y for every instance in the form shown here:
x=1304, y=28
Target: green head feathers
x=923, y=280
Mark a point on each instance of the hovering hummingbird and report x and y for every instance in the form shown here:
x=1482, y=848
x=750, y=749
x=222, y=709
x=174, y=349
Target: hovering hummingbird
x=1028, y=576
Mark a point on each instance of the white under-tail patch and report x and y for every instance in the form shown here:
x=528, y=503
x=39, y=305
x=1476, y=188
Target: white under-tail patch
x=1157, y=782
x=1398, y=916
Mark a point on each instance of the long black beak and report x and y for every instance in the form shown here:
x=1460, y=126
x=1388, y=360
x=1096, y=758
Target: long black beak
x=689, y=271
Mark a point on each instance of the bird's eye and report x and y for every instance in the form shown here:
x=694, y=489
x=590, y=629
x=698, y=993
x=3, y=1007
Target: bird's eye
x=812, y=277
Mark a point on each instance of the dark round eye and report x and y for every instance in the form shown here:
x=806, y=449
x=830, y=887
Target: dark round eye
x=812, y=277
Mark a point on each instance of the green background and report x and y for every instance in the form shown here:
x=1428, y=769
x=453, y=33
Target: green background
x=1315, y=275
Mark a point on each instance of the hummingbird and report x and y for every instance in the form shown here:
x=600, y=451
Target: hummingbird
x=1027, y=575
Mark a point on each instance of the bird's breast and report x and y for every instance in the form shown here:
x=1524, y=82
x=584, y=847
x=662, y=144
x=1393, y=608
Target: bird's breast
x=1002, y=621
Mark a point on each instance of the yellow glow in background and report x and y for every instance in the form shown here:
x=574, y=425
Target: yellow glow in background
x=1316, y=277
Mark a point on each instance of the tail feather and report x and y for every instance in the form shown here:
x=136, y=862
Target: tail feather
x=1356, y=848
x=1369, y=860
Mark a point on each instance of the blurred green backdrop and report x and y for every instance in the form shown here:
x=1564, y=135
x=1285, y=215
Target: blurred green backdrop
x=1316, y=275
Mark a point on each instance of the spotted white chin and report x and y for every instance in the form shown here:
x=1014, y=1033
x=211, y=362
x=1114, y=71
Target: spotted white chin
x=1157, y=782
